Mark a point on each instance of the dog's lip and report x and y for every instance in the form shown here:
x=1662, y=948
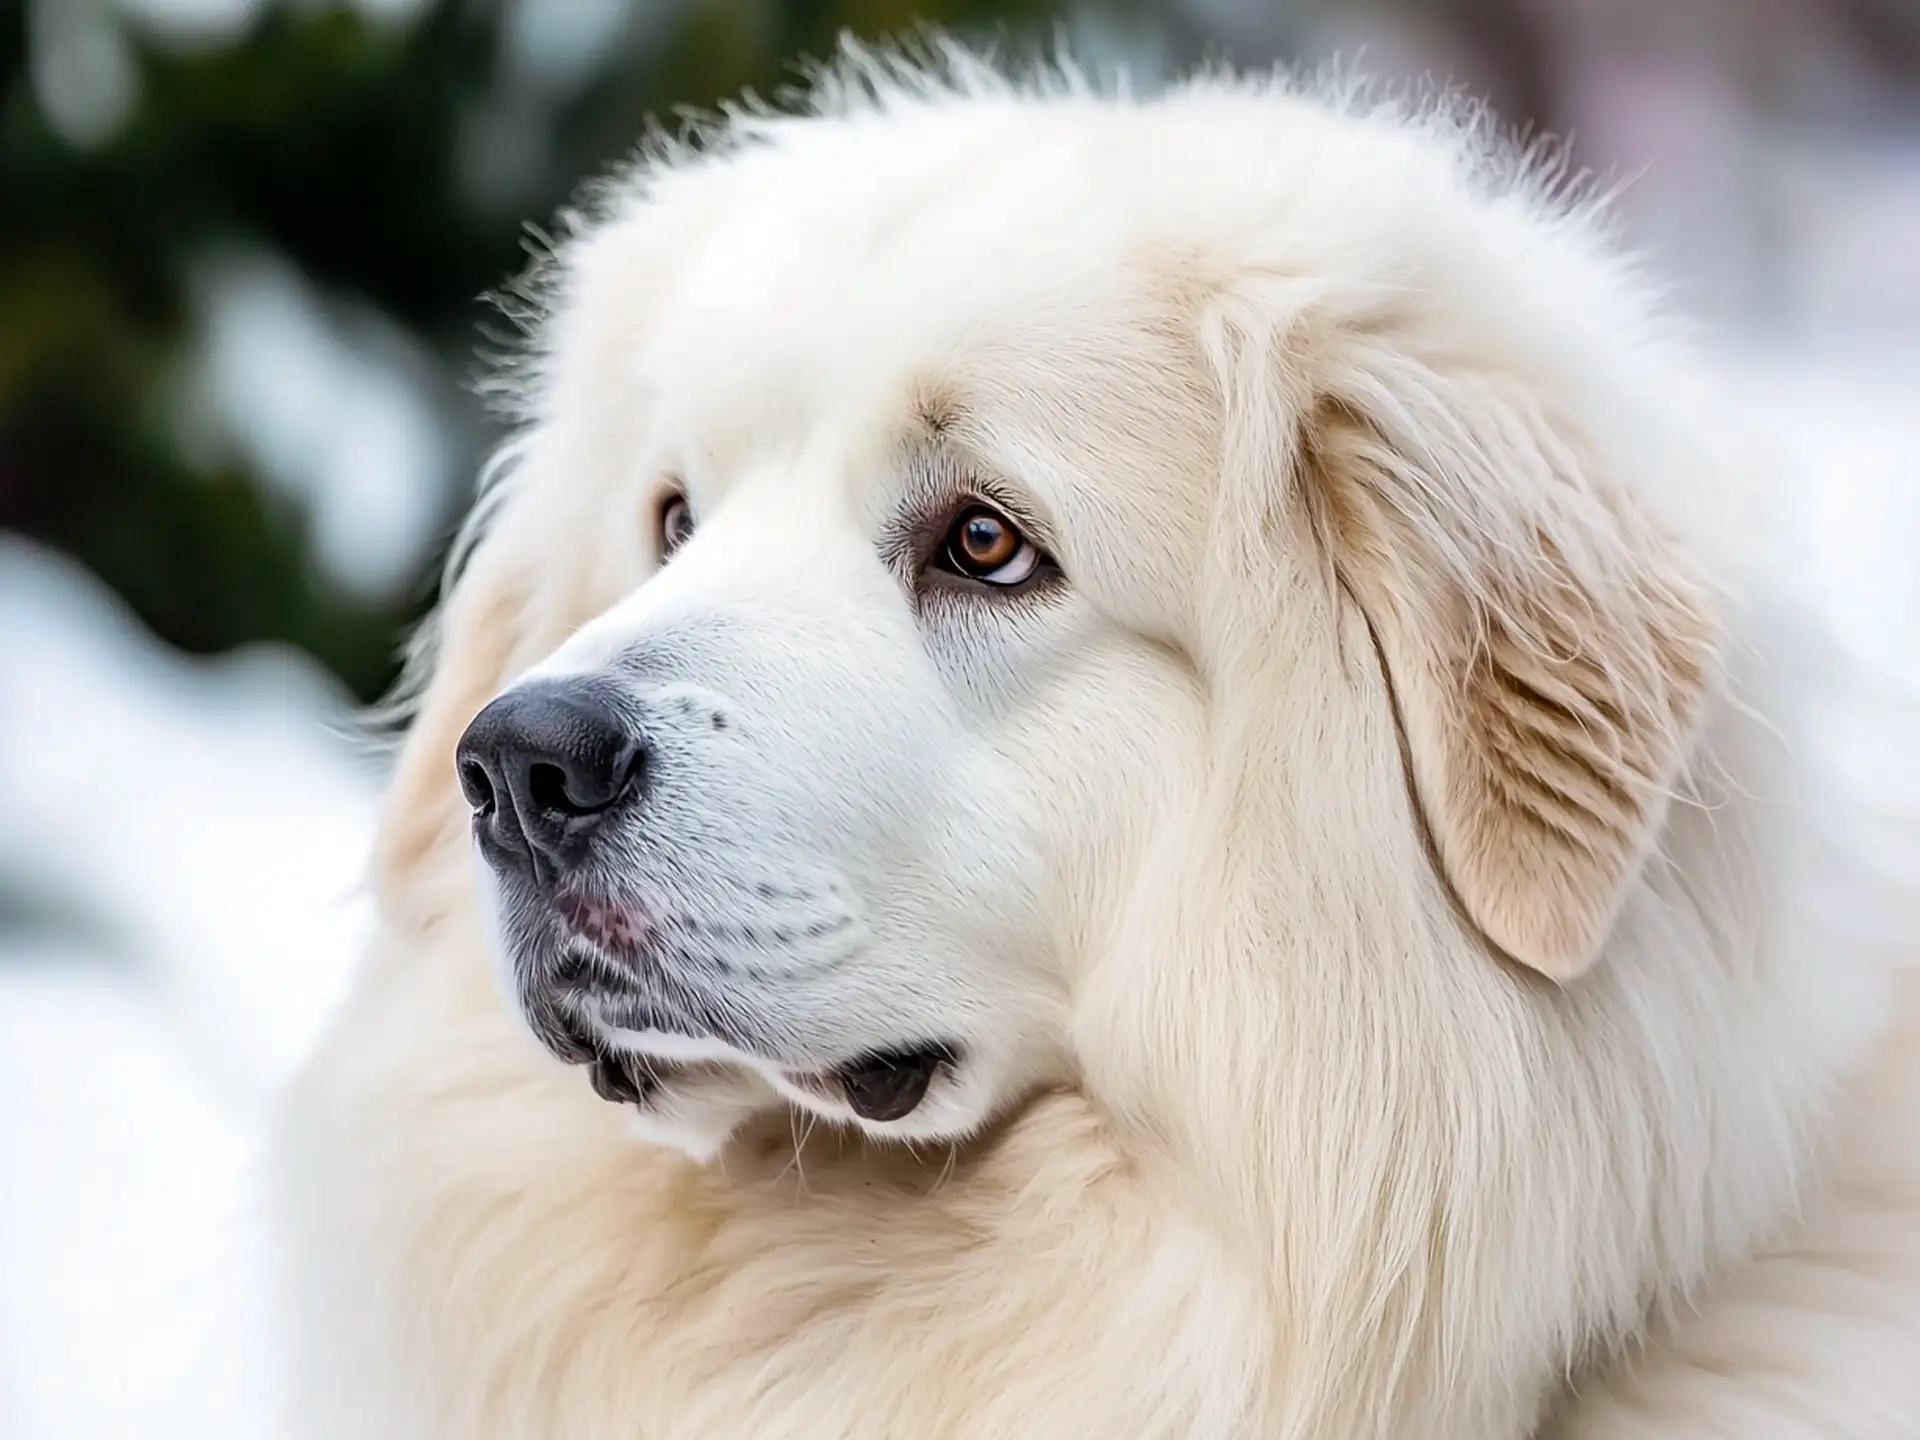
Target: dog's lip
x=625, y=1079
x=882, y=1085
x=619, y=926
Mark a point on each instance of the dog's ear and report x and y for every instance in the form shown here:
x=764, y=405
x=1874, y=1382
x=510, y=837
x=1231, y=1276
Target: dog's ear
x=1547, y=653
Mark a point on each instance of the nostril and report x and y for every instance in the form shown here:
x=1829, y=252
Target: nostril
x=547, y=788
x=477, y=786
x=583, y=785
x=541, y=765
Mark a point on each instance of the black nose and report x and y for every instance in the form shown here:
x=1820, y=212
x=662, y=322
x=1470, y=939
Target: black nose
x=543, y=766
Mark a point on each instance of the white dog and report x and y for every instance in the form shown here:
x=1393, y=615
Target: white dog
x=1180, y=673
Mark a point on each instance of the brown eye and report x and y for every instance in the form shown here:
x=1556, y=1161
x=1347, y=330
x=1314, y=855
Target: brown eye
x=984, y=545
x=676, y=525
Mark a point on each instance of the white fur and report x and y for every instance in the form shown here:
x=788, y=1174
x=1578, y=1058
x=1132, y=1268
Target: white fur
x=1258, y=1131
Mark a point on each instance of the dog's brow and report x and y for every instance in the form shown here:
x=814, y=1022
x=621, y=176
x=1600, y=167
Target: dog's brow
x=941, y=471
x=936, y=411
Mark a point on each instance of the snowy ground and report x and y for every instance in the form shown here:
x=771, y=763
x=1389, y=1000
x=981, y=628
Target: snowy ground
x=179, y=867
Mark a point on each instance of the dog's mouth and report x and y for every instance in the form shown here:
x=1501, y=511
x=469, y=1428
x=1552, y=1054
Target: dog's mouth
x=880, y=1086
x=625, y=1079
x=620, y=1033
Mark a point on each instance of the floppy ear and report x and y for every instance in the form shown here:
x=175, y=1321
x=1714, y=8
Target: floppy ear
x=1547, y=653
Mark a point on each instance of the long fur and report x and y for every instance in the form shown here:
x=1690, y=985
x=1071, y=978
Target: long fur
x=1454, y=1049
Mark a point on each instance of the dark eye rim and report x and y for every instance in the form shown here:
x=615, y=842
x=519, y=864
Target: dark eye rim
x=662, y=527
x=941, y=572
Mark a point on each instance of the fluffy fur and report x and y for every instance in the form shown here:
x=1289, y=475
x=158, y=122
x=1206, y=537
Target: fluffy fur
x=1369, y=887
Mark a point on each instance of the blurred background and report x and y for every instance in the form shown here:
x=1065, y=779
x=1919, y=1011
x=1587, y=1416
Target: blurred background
x=243, y=249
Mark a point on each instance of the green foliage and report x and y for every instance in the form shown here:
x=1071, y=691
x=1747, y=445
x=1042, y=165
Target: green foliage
x=392, y=163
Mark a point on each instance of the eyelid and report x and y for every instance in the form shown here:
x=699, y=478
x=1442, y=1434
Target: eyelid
x=912, y=538
x=998, y=495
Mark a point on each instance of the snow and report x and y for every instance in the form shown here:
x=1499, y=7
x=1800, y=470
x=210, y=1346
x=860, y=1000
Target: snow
x=127, y=1305
x=206, y=826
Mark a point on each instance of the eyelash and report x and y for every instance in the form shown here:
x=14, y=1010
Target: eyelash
x=664, y=523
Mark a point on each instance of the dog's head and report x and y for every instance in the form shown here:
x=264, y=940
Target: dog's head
x=964, y=547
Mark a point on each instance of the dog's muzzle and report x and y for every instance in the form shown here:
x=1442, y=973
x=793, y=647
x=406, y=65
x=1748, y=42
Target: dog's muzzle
x=552, y=768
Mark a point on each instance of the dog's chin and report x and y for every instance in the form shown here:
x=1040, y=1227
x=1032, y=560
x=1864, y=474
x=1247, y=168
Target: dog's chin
x=698, y=1118
x=690, y=1090
x=695, y=1111
x=694, y=1106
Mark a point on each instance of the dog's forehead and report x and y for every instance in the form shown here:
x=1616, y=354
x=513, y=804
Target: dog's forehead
x=969, y=279
x=841, y=214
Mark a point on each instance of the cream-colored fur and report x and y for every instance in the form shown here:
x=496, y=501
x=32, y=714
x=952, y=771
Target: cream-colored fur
x=1404, y=1017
